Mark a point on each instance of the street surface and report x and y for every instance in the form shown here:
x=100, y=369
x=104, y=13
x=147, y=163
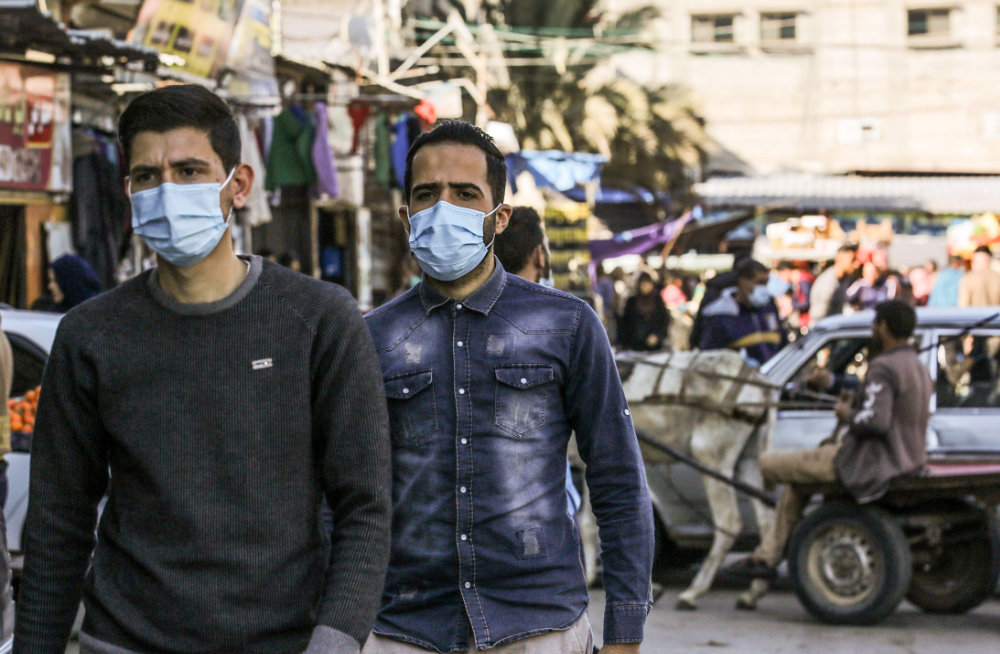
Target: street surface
x=781, y=625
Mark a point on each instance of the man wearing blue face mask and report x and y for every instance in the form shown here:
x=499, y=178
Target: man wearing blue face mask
x=486, y=376
x=226, y=396
x=744, y=318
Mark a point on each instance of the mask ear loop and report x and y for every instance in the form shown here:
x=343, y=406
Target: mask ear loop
x=485, y=216
x=229, y=216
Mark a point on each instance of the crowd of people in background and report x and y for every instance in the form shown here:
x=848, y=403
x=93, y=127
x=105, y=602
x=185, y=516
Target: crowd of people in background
x=651, y=309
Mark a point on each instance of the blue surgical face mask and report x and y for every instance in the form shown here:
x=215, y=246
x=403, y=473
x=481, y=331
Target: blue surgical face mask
x=760, y=296
x=180, y=222
x=447, y=241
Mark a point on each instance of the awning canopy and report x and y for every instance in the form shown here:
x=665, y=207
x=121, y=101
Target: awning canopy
x=23, y=25
x=803, y=193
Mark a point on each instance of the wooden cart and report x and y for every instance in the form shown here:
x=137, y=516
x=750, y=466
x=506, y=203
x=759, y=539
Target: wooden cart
x=932, y=539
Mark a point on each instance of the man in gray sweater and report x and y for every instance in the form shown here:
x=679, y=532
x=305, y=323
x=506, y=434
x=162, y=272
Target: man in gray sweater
x=226, y=396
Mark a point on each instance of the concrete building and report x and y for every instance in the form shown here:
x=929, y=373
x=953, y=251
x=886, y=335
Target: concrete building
x=834, y=86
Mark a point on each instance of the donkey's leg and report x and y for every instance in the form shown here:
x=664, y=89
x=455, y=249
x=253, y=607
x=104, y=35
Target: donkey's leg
x=749, y=472
x=726, y=516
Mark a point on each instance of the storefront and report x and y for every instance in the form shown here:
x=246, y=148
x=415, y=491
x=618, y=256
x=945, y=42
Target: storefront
x=35, y=169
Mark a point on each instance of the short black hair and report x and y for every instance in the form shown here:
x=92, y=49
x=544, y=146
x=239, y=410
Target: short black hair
x=515, y=244
x=177, y=106
x=899, y=317
x=457, y=131
x=750, y=268
x=853, y=249
x=984, y=249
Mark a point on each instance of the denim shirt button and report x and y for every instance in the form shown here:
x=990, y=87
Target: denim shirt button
x=468, y=585
x=523, y=380
x=462, y=489
x=461, y=391
x=464, y=537
x=627, y=412
x=464, y=441
x=458, y=306
x=405, y=391
x=459, y=344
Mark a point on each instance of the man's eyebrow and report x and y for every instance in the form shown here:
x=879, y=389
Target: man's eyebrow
x=457, y=186
x=180, y=163
x=190, y=161
x=464, y=186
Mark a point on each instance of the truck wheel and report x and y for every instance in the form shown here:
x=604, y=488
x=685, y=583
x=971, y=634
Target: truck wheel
x=849, y=564
x=962, y=574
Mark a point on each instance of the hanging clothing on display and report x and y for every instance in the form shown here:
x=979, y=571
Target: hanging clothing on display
x=383, y=152
x=407, y=130
x=256, y=211
x=99, y=209
x=322, y=157
x=359, y=112
x=289, y=162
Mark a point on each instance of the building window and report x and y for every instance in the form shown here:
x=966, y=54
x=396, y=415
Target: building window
x=777, y=27
x=929, y=22
x=712, y=29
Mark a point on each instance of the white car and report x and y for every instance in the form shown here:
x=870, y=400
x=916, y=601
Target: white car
x=965, y=408
x=30, y=334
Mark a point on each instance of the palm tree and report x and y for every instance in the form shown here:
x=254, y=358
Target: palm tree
x=576, y=101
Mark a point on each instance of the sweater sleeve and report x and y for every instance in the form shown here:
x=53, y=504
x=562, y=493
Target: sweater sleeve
x=351, y=434
x=69, y=474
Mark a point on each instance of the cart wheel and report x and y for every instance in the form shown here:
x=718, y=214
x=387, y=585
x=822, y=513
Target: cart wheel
x=963, y=574
x=849, y=564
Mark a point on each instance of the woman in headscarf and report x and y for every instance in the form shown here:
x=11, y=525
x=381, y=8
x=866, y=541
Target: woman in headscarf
x=645, y=320
x=71, y=282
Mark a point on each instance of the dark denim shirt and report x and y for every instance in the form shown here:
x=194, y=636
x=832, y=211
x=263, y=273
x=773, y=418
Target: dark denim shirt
x=483, y=395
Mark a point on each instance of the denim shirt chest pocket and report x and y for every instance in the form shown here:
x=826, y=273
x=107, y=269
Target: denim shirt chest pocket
x=412, y=409
x=522, y=395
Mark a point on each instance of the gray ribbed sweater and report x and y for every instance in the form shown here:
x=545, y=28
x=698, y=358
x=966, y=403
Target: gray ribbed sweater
x=222, y=424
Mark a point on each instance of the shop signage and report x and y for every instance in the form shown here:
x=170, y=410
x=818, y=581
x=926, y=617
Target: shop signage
x=197, y=33
x=34, y=129
x=249, y=61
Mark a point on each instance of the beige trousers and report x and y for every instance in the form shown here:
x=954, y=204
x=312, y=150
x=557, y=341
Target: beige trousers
x=578, y=639
x=792, y=467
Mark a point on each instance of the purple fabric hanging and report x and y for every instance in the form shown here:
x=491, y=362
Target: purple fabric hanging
x=326, y=171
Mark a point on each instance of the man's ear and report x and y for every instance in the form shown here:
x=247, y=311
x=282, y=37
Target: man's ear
x=503, y=217
x=243, y=182
x=404, y=215
x=538, y=256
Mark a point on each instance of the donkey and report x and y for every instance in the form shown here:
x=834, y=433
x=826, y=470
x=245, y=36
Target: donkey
x=707, y=405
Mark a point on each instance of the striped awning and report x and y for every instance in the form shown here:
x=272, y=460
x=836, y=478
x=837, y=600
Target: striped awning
x=799, y=192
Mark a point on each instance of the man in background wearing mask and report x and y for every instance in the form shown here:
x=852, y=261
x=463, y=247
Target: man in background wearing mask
x=227, y=395
x=486, y=376
x=882, y=435
x=744, y=318
x=523, y=248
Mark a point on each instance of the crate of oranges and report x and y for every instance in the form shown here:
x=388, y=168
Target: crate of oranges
x=22, y=411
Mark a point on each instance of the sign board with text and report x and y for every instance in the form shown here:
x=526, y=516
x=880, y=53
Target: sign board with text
x=35, y=147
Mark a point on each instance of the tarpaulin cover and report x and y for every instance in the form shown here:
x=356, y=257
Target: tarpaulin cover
x=637, y=241
x=554, y=168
